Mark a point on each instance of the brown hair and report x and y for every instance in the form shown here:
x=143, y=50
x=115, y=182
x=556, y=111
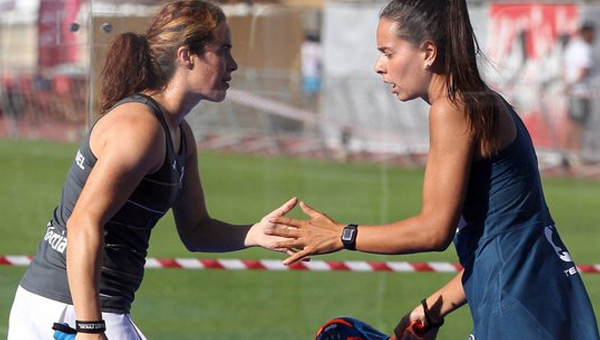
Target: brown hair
x=447, y=24
x=146, y=62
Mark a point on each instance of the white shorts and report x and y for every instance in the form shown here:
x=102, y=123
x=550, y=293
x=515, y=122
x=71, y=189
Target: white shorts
x=32, y=317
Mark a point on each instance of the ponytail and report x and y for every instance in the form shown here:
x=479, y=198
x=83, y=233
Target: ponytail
x=128, y=69
x=464, y=78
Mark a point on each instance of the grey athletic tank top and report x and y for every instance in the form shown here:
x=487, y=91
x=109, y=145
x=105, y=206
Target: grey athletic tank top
x=126, y=235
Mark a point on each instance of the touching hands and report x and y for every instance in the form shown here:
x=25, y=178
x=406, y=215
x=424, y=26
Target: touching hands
x=257, y=235
x=319, y=235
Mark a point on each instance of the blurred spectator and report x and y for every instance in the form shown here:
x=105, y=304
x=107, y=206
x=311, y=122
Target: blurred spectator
x=42, y=86
x=11, y=104
x=578, y=69
x=12, y=99
x=311, y=54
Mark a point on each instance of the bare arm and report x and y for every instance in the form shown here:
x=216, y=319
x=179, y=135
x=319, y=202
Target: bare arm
x=127, y=147
x=199, y=231
x=447, y=299
x=445, y=183
x=444, y=301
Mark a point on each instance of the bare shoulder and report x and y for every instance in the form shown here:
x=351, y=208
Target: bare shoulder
x=447, y=116
x=129, y=128
x=129, y=119
x=130, y=113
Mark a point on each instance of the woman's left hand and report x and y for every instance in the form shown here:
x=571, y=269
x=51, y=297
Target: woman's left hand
x=319, y=235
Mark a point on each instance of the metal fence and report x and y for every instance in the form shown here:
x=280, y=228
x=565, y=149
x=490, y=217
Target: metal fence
x=351, y=117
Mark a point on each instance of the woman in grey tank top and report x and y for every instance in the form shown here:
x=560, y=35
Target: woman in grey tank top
x=138, y=161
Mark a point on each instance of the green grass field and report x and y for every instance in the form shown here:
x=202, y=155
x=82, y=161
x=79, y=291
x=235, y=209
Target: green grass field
x=218, y=304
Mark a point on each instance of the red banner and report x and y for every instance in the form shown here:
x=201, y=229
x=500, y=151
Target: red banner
x=528, y=42
x=57, y=44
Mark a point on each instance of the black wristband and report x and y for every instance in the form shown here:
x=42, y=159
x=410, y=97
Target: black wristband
x=428, y=322
x=90, y=327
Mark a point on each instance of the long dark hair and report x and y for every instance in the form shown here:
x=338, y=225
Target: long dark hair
x=135, y=62
x=447, y=24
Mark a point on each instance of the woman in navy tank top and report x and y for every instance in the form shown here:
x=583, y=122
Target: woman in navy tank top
x=481, y=190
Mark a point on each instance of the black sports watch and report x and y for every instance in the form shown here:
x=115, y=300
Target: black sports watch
x=349, y=236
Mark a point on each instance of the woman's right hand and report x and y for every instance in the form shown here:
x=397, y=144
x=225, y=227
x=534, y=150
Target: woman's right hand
x=413, y=327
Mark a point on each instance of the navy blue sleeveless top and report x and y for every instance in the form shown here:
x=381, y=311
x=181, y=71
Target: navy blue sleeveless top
x=504, y=194
x=126, y=234
x=519, y=278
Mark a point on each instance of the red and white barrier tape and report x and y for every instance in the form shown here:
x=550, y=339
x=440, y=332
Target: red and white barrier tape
x=313, y=265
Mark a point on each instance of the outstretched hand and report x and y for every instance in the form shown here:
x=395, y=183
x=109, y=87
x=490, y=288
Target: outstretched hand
x=258, y=237
x=319, y=235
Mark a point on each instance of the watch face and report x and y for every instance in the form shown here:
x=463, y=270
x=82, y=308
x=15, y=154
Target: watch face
x=347, y=234
x=349, y=237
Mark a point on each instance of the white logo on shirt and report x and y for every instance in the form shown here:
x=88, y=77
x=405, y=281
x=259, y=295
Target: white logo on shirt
x=80, y=160
x=563, y=254
x=57, y=241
